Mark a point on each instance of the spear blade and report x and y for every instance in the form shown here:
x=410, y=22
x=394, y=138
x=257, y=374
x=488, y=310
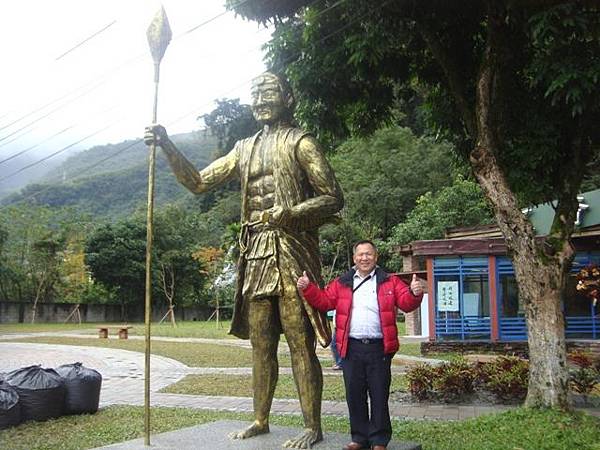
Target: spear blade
x=159, y=35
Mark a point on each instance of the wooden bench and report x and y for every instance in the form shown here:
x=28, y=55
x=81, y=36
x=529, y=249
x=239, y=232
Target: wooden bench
x=123, y=331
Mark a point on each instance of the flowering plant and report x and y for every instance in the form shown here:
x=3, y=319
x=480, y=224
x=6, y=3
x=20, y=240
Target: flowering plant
x=588, y=282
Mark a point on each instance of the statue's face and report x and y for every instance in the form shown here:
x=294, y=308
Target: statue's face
x=268, y=105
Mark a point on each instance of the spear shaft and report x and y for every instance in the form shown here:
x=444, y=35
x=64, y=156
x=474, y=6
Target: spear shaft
x=159, y=36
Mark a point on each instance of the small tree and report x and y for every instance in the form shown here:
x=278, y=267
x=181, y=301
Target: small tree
x=43, y=268
x=212, y=260
x=116, y=256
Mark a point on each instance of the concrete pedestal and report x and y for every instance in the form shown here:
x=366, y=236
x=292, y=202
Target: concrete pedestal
x=214, y=436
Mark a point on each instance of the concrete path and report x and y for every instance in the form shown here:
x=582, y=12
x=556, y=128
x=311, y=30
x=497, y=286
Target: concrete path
x=123, y=382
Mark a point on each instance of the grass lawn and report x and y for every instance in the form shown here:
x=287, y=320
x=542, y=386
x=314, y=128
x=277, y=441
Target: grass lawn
x=520, y=429
x=241, y=386
x=188, y=329
x=191, y=354
x=191, y=329
x=6, y=328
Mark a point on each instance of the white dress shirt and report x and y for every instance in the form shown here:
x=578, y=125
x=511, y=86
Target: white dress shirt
x=365, y=322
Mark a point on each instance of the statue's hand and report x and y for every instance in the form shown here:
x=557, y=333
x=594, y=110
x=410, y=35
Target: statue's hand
x=155, y=134
x=303, y=281
x=278, y=215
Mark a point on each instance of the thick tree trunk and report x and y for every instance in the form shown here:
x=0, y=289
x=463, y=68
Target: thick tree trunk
x=541, y=267
x=541, y=280
x=548, y=377
x=541, y=270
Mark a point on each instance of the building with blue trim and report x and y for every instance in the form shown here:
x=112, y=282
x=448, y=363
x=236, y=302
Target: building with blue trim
x=472, y=291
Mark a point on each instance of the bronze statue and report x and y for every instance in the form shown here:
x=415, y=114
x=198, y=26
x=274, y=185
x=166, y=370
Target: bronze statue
x=288, y=191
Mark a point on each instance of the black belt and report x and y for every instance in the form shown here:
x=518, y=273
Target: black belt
x=368, y=340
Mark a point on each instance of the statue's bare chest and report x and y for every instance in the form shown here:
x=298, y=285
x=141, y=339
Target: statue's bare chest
x=261, y=160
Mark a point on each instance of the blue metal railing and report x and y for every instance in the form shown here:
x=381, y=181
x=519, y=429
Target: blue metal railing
x=512, y=328
x=582, y=327
x=468, y=327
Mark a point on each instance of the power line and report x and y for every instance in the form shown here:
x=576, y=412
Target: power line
x=106, y=27
x=56, y=153
x=19, y=153
x=106, y=75
x=35, y=145
x=87, y=169
x=45, y=115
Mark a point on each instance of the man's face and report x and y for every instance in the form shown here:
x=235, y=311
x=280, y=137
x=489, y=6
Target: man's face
x=268, y=105
x=365, y=258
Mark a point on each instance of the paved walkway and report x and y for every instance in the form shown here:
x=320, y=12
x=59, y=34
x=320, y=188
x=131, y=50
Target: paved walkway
x=123, y=381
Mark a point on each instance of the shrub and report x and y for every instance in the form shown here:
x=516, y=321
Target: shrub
x=508, y=378
x=453, y=380
x=586, y=375
x=420, y=381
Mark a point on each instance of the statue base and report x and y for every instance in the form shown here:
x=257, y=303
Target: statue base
x=214, y=436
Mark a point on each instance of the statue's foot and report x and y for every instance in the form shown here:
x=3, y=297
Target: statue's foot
x=253, y=430
x=306, y=439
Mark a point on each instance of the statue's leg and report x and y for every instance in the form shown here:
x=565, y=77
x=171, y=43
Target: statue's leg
x=264, y=337
x=305, y=366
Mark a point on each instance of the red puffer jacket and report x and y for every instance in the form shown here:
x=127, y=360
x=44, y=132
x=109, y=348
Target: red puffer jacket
x=392, y=293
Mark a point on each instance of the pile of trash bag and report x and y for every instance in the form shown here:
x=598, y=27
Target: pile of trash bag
x=82, y=387
x=37, y=393
x=10, y=408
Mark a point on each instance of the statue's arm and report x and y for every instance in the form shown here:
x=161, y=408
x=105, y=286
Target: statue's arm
x=328, y=198
x=217, y=172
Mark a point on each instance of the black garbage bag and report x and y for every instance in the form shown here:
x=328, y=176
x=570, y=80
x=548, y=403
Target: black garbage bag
x=10, y=407
x=82, y=388
x=41, y=392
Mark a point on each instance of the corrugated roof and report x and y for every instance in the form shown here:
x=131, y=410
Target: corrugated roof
x=541, y=216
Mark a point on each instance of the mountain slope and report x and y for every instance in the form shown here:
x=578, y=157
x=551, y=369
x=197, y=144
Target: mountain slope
x=118, y=186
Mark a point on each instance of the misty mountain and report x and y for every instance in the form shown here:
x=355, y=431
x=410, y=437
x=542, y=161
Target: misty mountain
x=27, y=176
x=110, y=181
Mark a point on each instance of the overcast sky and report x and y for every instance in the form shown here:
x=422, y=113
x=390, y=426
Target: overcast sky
x=108, y=80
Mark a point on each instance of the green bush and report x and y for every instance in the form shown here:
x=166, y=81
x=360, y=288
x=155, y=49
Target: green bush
x=420, y=381
x=453, y=380
x=586, y=373
x=508, y=378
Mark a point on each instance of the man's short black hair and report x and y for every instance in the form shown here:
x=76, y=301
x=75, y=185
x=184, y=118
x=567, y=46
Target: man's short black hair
x=364, y=241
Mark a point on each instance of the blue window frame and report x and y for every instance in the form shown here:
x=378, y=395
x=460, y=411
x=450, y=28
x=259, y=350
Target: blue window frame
x=461, y=298
x=582, y=318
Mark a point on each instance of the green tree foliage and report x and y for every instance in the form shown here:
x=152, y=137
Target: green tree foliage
x=460, y=205
x=116, y=255
x=362, y=58
x=229, y=122
x=33, y=252
x=383, y=175
x=179, y=276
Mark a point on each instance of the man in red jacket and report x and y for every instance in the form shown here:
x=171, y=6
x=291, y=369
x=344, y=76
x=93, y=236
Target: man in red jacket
x=365, y=301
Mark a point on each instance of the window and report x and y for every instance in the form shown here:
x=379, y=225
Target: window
x=462, y=298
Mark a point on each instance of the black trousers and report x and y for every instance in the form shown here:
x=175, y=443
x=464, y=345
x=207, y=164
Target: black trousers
x=367, y=373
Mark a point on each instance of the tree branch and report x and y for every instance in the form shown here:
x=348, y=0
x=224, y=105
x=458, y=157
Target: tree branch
x=517, y=230
x=456, y=82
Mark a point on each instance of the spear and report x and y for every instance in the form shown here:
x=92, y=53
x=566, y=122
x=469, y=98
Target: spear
x=159, y=36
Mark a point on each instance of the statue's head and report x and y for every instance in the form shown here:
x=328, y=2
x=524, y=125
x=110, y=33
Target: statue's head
x=272, y=98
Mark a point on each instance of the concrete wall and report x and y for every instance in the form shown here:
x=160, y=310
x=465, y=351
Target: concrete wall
x=18, y=312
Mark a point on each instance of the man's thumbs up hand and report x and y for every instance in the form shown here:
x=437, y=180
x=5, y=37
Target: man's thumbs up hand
x=303, y=281
x=416, y=286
